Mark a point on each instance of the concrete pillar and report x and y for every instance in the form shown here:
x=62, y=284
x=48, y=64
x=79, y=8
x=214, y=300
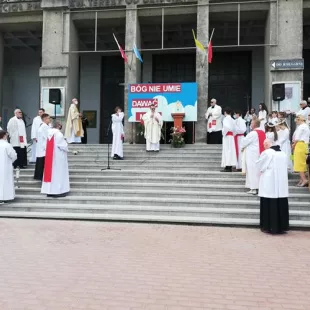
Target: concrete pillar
x=202, y=70
x=288, y=37
x=1, y=70
x=60, y=69
x=133, y=68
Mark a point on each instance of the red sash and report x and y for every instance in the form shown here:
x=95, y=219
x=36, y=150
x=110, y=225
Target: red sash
x=212, y=123
x=261, y=138
x=48, y=166
x=21, y=139
x=236, y=142
x=229, y=133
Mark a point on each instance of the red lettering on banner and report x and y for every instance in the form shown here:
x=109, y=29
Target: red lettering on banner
x=155, y=88
x=144, y=103
x=139, y=115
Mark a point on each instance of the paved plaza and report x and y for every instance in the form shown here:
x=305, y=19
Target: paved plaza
x=98, y=265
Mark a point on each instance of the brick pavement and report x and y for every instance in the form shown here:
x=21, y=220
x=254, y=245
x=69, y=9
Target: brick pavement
x=91, y=265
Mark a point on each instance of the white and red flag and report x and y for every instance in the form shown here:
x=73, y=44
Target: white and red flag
x=120, y=49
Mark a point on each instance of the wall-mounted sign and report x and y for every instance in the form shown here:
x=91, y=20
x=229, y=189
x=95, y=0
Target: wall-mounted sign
x=287, y=64
x=79, y=4
x=49, y=107
x=292, y=97
x=13, y=6
x=167, y=97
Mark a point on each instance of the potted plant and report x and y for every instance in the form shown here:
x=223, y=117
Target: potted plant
x=177, y=139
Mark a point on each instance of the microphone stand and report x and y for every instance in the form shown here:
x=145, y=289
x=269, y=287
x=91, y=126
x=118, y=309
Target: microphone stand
x=108, y=167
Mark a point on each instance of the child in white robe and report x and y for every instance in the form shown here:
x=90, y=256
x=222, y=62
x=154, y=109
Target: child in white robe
x=7, y=157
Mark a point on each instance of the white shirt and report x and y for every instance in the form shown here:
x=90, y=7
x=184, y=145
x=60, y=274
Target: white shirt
x=304, y=112
x=42, y=139
x=302, y=133
x=37, y=121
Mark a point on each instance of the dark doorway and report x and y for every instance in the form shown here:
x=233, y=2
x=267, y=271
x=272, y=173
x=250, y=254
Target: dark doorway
x=112, y=92
x=230, y=79
x=306, y=86
x=171, y=68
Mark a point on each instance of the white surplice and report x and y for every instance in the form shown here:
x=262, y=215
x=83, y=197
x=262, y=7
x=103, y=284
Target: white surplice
x=285, y=145
x=7, y=157
x=152, y=133
x=251, y=145
x=240, y=131
x=262, y=116
x=36, y=123
x=118, y=134
x=304, y=112
x=273, y=181
x=215, y=120
x=60, y=171
x=16, y=129
x=42, y=139
x=229, y=157
x=270, y=136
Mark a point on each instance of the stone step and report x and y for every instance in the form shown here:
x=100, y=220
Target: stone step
x=238, y=185
x=144, y=172
x=212, y=201
x=168, y=193
x=134, y=160
x=144, y=179
x=298, y=219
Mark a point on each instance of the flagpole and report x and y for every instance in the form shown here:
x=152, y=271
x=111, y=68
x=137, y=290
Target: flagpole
x=211, y=36
x=130, y=61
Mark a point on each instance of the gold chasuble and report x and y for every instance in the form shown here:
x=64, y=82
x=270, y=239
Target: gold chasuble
x=74, y=122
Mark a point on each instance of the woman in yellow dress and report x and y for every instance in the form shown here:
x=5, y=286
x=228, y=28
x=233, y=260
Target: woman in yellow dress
x=300, y=149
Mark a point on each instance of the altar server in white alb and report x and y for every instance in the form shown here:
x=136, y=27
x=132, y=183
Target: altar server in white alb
x=18, y=138
x=284, y=142
x=239, y=136
x=262, y=115
x=118, y=134
x=41, y=147
x=56, y=172
x=7, y=157
x=253, y=146
x=36, y=123
x=273, y=190
x=214, y=117
x=229, y=156
x=152, y=129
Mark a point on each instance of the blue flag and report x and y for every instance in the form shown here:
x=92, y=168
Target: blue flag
x=135, y=50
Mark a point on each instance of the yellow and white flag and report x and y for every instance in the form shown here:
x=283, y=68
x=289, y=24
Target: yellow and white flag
x=198, y=44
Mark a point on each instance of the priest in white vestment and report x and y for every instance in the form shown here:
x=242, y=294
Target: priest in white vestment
x=18, y=138
x=214, y=117
x=229, y=156
x=239, y=136
x=273, y=190
x=152, y=129
x=74, y=127
x=253, y=146
x=41, y=147
x=7, y=157
x=56, y=171
x=118, y=134
x=36, y=123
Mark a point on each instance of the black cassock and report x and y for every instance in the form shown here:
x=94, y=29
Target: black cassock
x=84, y=124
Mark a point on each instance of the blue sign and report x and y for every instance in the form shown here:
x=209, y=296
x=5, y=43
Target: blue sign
x=168, y=98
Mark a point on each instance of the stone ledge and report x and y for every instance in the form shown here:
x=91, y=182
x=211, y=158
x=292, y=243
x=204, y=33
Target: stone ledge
x=53, y=72
x=52, y=4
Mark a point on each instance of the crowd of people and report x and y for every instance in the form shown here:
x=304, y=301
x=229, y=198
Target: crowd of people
x=261, y=148
x=258, y=145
